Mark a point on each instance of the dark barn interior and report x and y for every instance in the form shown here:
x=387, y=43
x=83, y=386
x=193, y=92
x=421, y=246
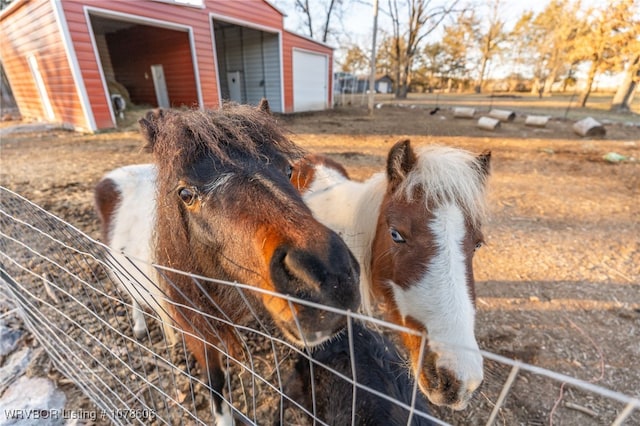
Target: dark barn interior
x=129, y=50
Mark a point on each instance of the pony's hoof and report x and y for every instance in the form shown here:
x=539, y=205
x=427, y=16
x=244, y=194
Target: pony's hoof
x=140, y=333
x=225, y=418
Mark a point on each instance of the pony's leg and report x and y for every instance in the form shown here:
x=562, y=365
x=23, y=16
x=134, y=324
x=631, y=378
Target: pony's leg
x=139, y=324
x=217, y=379
x=211, y=365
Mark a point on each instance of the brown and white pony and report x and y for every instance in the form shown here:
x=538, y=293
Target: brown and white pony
x=414, y=230
x=225, y=209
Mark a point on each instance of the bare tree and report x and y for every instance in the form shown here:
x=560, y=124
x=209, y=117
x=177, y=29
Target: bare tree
x=630, y=54
x=385, y=62
x=5, y=4
x=607, y=32
x=489, y=40
x=431, y=65
x=523, y=56
x=557, y=38
x=324, y=10
x=305, y=9
x=356, y=60
x=624, y=95
x=545, y=41
x=456, y=43
x=421, y=19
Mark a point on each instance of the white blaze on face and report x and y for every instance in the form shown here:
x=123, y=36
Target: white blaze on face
x=441, y=301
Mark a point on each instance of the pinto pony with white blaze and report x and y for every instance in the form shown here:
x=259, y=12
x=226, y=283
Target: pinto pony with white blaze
x=226, y=209
x=414, y=230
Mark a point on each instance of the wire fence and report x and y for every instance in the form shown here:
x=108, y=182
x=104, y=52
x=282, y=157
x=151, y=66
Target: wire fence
x=65, y=289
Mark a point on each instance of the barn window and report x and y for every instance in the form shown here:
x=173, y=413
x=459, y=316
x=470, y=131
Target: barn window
x=191, y=3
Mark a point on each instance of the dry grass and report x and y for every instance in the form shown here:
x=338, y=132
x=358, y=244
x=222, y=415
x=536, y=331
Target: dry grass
x=558, y=282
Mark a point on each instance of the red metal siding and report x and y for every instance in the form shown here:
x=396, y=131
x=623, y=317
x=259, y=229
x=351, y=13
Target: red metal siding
x=255, y=11
x=289, y=42
x=31, y=29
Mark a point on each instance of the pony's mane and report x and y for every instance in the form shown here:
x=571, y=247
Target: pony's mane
x=183, y=136
x=446, y=175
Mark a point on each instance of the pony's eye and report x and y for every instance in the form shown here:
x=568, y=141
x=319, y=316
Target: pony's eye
x=288, y=171
x=396, y=236
x=478, y=245
x=187, y=195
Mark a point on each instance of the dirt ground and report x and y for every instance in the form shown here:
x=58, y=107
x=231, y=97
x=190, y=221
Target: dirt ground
x=558, y=282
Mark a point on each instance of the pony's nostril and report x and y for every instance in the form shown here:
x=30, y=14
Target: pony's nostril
x=449, y=386
x=332, y=280
x=299, y=268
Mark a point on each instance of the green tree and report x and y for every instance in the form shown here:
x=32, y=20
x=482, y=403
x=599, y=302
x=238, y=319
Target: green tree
x=427, y=70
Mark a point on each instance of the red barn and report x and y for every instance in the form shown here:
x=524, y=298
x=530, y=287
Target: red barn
x=66, y=58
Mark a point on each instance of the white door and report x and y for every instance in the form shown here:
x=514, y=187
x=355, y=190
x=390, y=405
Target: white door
x=160, y=84
x=383, y=87
x=310, y=81
x=235, y=88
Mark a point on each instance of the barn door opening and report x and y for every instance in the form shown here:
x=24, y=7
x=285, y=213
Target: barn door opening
x=249, y=66
x=143, y=62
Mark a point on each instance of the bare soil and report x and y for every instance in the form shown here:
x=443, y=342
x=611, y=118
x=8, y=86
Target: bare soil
x=558, y=283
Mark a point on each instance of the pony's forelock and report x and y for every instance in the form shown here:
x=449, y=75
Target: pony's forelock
x=217, y=132
x=448, y=175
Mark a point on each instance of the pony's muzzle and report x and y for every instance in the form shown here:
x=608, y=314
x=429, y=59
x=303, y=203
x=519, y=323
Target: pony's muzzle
x=446, y=386
x=325, y=276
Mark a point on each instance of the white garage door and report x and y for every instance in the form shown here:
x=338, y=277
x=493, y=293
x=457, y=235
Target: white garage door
x=309, y=81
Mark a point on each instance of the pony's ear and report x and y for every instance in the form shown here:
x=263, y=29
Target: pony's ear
x=400, y=161
x=149, y=127
x=484, y=161
x=263, y=106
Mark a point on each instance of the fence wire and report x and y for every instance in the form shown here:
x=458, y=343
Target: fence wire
x=65, y=289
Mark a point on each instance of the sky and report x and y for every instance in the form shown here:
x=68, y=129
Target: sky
x=359, y=13
x=358, y=19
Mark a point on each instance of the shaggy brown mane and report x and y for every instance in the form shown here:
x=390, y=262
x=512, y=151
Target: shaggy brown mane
x=177, y=138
